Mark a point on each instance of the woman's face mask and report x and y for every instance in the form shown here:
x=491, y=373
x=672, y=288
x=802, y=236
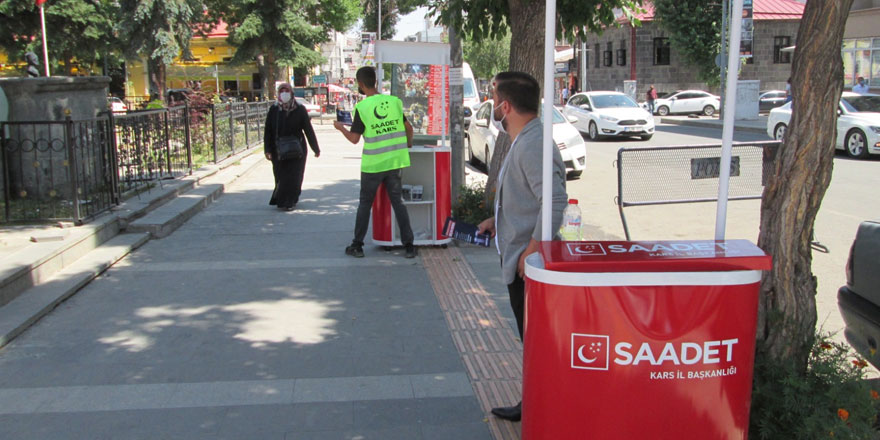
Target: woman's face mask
x=284, y=97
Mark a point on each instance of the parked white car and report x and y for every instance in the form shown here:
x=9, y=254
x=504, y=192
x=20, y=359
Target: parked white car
x=858, y=124
x=688, y=101
x=481, y=135
x=601, y=114
x=117, y=105
x=312, y=109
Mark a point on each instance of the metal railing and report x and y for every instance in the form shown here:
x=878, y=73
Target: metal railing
x=77, y=169
x=690, y=174
x=60, y=170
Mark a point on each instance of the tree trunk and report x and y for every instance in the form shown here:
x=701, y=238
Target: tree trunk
x=271, y=74
x=787, y=310
x=264, y=74
x=157, y=77
x=527, y=37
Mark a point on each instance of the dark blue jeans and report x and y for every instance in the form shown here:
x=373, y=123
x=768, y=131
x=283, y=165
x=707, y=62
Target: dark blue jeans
x=369, y=186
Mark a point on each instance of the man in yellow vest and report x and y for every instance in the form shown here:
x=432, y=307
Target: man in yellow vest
x=387, y=137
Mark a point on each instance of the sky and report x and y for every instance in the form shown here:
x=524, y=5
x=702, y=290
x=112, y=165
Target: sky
x=410, y=24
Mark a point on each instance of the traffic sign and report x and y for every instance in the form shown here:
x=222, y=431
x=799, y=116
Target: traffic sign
x=319, y=79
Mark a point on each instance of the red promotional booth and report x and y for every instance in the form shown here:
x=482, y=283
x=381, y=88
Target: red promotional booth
x=628, y=340
x=427, y=209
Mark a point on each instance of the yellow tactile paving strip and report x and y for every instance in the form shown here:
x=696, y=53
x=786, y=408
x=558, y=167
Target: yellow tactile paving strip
x=488, y=346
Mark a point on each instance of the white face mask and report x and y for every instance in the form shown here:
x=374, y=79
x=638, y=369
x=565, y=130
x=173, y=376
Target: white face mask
x=499, y=123
x=284, y=97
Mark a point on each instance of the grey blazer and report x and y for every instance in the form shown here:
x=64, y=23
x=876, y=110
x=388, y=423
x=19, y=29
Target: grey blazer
x=519, y=193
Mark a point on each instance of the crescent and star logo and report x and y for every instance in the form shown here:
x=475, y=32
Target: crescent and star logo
x=384, y=107
x=581, y=249
x=589, y=352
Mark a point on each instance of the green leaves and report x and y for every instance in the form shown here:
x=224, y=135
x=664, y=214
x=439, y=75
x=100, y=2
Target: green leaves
x=694, y=28
x=488, y=56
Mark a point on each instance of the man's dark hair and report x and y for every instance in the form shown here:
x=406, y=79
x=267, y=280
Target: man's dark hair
x=367, y=76
x=520, y=89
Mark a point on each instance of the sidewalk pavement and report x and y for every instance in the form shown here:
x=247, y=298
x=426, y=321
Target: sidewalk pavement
x=249, y=322
x=756, y=126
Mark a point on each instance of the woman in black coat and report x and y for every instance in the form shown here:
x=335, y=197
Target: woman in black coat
x=287, y=118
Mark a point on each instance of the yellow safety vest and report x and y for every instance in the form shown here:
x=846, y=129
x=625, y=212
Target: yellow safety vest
x=384, y=134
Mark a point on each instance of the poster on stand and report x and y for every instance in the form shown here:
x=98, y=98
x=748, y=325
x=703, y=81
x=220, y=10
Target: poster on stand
x=418, y=87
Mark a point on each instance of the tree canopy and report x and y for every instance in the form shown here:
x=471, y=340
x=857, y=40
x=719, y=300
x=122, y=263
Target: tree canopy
x=77, y=30
x=482, y=19
x=282, y=32
x=694, y=28
x=487, y=57
x=391, y=12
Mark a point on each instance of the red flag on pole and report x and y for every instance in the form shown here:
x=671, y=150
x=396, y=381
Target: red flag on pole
x=39, y=2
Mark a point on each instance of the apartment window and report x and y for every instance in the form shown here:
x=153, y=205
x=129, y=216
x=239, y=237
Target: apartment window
x=598, y=59
x=779, y=43
x=608, y=55
x=661, y=51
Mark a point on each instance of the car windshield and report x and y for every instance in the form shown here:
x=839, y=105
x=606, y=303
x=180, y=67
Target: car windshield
x=469, y=90
x=557, y=117
x=858, y=104
x=611, y=101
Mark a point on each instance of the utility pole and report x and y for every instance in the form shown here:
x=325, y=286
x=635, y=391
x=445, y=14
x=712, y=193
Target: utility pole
x=456, y=114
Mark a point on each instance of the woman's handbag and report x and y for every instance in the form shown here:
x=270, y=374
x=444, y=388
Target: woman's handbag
x=288, y=147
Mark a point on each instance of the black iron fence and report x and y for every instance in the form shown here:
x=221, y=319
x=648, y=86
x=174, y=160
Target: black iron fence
x=77, y=169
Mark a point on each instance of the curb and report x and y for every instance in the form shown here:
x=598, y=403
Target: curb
x=709, y=124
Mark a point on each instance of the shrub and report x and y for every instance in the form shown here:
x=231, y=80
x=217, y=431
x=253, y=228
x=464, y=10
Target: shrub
x=831, y=399
x=471, y=206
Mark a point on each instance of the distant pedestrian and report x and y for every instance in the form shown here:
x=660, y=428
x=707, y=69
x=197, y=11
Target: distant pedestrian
x=286, y=118
x=516, y=225
x=651, y=97
x=387, y=137
x=564, y=95
x=861, y=88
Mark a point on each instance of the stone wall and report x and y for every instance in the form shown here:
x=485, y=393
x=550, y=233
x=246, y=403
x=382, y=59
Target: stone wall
x=678, y=75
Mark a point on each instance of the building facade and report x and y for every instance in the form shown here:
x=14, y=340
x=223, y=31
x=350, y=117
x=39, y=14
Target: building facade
x=861, y=45
x=643, y=53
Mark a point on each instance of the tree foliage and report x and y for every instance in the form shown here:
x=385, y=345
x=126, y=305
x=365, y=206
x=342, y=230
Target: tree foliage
x=159, y=31
x=282, y=32
x=78, y=31
x=482, y=19
x=391, y=12
x=488, y=56
x=694, y=28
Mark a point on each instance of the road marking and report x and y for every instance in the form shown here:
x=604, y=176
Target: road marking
x=299, y=263
x=231, y=393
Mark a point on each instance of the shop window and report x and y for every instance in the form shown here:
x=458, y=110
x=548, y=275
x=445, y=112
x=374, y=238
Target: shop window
x=779, y=43
x=661, y=51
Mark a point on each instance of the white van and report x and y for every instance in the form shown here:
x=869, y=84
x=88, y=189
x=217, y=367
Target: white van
x=471, y=94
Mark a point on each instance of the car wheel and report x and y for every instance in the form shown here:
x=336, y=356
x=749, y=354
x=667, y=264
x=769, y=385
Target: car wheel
x=647, y=137
x=779, y=132
x=709, y=110
x=856, y=144
x=663, y=110
x=594, y=131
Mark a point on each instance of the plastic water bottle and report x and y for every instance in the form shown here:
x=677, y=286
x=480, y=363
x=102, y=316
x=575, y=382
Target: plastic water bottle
x=571, y=222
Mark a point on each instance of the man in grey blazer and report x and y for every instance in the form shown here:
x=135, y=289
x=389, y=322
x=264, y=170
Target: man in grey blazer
x=517, y=221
